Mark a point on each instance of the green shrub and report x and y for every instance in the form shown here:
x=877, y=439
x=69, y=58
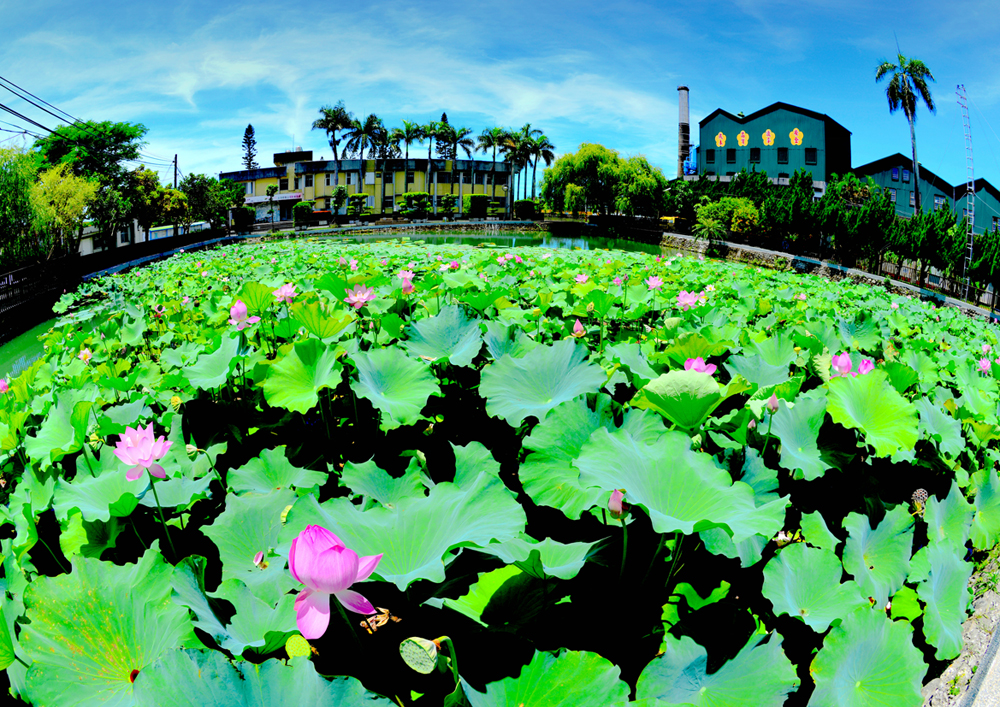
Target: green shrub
x=415, y=204
x=357, y=204
x=243, y=218
x=338, y=199
x=475, y=205
x=524, y=210
x=737, y=215
x=446, y=204
x=302, y=213
x=576, y=199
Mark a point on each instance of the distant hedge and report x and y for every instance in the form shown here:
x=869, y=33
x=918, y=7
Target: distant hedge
x=475, y=205
x=524, y=210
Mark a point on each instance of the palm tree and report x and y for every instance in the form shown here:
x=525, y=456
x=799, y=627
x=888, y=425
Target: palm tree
x=908, y=82
x=386, y=147
x=520, y=143
x=460, y=139
x=491, y=139
x=333, y=120
x=540, y=148
x=361, y=136
x=407, y=135
x=430, y=131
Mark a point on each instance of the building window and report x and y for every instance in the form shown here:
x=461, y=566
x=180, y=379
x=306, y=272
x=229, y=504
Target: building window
x=782, y=175
x=370, y=203
x=938, y=202
x=906, y=176
x=709, y=174
x=810, y=155
x=755, y=154
x=283, y=184
x=328, y=176
x=443, y=177
x=248, y=188
x=996, y=223
x=369, y=177
x=913, y=199
x=895, y=174
x=309, y=180
x=297, y=182
x=710, y=156
x=409, y=177
x=124, y=235
x=730, y=156
x=782, y=155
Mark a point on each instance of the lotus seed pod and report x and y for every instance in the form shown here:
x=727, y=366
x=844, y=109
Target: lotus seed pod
x=297, y=646
x=919, y=499
x=420, y=654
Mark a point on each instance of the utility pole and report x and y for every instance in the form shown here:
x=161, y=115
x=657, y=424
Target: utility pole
x=175, y=171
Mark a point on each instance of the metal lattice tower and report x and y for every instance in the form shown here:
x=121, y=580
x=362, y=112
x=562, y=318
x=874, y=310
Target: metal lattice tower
x=970, y=186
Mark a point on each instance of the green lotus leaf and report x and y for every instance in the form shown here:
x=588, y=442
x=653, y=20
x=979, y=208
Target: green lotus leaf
x=516, y=388
x=906, y=604
x=250, y=524
x=257, y=297
x=749, y=550
x=449, y=335
x=253, y=619
x=901, y=376
x=868, y=403
x=817, y=533
x=759, y=676
x=686, y=398
x=756, y=370
x=63, y=430
x=943, y=586
x=186, y=677
x=630, y=355
x=938, y=425
x=804, y=582
x=501, y=340
x=868, y=661
x=294, y=381
x=369, y=480
x=949, y=520
x=471, y=460
x=179, y=492
x=689, y=494
x=775, y=351
x=571, y=679
x=798, y=429
x=862, y=333
x=6, y=644
x=128, y=414
x=333, y=283
x=270, y=471
x=481, y=300
x=474, y=602
x=693, y=345
x=396, y=385
x=542, y=560
x=671, y=610
x=879, y=559
x=985, y=530
x=91, y=628
x=416, y=539
x=758, y=476
x=211, y=370
x=318, y=322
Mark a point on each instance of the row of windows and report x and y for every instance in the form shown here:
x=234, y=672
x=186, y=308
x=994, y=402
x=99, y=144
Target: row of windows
x=370, y=177
x=895, y=175
x=811, y=155
x=939, y=200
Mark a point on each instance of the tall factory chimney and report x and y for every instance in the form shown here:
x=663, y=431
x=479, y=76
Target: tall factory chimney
x=683, y=130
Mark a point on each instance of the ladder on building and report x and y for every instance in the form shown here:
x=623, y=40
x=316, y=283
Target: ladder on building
x=970, y=186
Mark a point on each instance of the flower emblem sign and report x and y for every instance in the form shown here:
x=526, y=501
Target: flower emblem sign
x=742, y=139
x=720, y=140
x=768, y=137
x=796, y=136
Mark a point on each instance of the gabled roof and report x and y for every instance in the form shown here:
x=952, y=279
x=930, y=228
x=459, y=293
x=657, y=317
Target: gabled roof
x=884, y=164
x=980, y=185
x=770, y=109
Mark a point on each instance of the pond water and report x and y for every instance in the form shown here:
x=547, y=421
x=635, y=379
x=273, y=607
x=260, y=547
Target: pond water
x=23, y=350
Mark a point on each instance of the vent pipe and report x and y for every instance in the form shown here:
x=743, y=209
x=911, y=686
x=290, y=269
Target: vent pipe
x=683, y=130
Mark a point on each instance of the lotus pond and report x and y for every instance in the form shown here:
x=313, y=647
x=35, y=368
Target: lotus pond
x=310, y=472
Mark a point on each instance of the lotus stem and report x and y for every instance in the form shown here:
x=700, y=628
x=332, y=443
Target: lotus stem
x=18, y=659
x=659, y=549
x=152, y=482
x=621, y=572
x=678, y=542
x=453, y=659
x=767, y=440
x=54, y=556
x=347, y=622
x=87, y=461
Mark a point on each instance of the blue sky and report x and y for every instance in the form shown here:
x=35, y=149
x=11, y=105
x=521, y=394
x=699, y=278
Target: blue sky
x=196, y=73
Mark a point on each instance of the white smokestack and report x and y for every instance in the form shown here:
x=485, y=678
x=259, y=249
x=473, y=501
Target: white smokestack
x=683, y=130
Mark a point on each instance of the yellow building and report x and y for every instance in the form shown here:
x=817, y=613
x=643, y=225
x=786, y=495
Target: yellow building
x=300, y=178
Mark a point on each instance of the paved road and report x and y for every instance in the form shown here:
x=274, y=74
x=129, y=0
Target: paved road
x=984, y=690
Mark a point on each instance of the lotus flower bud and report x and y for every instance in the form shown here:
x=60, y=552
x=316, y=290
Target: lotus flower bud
x=772, y=403
x=752, y=424
x=617, y=505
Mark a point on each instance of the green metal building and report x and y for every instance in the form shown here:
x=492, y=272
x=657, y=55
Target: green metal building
x=778, y=139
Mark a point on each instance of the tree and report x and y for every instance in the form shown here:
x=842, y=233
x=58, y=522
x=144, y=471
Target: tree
x=540, y=148
x=407, y=135
x=430, y=131
x=444, y=132
x=271, y=191
x=908, y=82
x=520, y=142
x=639, y=188
x=333, y=120
x=249, y=149
x=386, y=147
x=460, y=139
x=20, y=215
x=209, y=199
x=362, y=135
x=491, y=139
x=593, y=167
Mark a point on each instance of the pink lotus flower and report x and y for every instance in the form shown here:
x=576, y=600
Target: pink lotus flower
x=408, y=287
x=699, y=366
x=616, y=504
x=383, y=261
x=710, y=288
x=866, y=366
x=986, y=348
x=617, y=281
x=578, y=329
x=359, y=295
x=654, y=282
x=238, y=316
x=185, y=300
x=273, y=261
x=258, y=558
x=138, y=448
x=342, y=260
x=772, y=403
x=984, y=365
x=321, y=561
x=85, y=355
x=3, y=386
x=895, y=306
x=801, y=296
x=752, y=424
x=686, y=299
x=454, y=265
x=354, y=264
x=581, y=278
x=286, y=293
x=517, y=259
x=405, y=274
x=842, y=365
